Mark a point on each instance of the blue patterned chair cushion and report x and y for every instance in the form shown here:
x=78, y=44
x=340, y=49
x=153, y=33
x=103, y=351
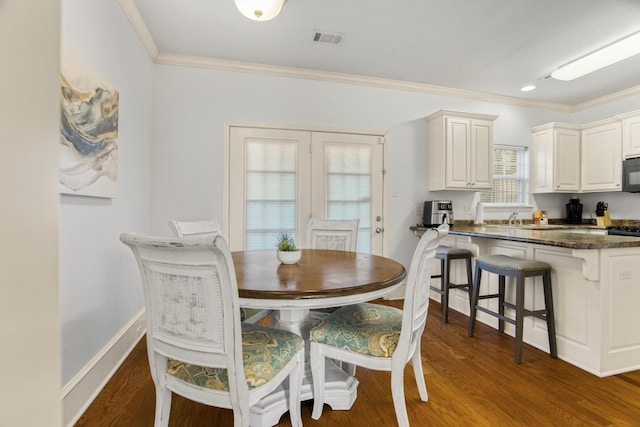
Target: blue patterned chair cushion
x=369, y=329
x=265, y=351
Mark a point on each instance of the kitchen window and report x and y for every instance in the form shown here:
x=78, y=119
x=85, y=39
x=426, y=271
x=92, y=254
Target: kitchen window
x=510, y=177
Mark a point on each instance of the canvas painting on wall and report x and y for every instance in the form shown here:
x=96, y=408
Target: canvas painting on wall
x=89, y=129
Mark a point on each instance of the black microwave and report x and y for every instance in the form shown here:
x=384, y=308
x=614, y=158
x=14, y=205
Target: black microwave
x=631, y=175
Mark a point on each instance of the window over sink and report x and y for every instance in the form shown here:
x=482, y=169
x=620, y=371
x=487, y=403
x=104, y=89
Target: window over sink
x=510, y=177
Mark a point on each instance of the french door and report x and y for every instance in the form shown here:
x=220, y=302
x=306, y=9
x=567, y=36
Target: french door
x=279, y=178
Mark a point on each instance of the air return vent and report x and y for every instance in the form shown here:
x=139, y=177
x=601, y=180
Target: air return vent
x=328, y=37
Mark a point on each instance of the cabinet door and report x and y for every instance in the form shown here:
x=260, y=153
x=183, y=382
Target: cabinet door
x=602, y=158
x=458, y=136
x=631, y=137
x=481, y=155
x=542, y=161
x=566, y=159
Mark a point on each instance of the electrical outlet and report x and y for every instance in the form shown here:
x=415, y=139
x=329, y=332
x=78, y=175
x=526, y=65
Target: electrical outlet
x=419, y=209
x=467, y=210
x=625, y=274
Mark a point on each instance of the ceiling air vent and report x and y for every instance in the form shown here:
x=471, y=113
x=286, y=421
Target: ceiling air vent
x=327, y=37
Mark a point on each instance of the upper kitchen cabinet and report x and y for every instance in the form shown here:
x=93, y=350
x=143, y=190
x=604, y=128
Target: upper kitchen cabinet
x=630, y=134
x=555, y=158
x=460, y=150
x=601, y=159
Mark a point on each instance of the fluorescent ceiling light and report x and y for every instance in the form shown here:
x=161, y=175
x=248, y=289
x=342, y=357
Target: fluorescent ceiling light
x=604, y=57
x=528, y=88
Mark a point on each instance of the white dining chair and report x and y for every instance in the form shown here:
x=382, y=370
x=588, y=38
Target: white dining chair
x=196, y=344
x=379, y=337
x=195, y=228
x=333, y=234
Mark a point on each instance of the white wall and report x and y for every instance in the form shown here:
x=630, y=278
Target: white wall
x=99, y=281
x=171, y=152
x=29, y=131
x=192, y=106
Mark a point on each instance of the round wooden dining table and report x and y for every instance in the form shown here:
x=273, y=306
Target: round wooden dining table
x=321, y=279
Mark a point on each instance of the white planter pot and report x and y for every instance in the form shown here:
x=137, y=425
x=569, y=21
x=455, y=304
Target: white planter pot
x=289, y=257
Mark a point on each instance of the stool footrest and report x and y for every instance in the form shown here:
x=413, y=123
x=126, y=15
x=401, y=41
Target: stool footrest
x=488, y=296
x=438, y=290
x=540, y=314
x=498, y=315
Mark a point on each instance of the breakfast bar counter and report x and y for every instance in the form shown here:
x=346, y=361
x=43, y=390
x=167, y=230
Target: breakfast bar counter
x=563, y=236
x=596, y=289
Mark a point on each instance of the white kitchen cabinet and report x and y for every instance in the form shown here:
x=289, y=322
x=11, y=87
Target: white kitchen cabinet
x=630, y=134
x=601, y=160
x=595, y=297
x=460, y=151
x=555, y=158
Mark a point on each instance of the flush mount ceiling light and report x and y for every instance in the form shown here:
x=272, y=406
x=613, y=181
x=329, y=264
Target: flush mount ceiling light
x=615, y=52
x=527, y=88
x=260, y=10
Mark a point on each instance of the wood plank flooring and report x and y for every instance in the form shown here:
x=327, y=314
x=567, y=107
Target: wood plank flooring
x=470, y=381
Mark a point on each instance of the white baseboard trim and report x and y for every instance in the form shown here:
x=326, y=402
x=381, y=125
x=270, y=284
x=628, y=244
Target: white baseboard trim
x=83, y=388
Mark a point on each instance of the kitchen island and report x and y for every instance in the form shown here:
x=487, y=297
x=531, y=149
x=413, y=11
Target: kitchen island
x=596, y=289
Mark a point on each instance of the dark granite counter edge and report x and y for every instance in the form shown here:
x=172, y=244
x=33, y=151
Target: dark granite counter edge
x=546, y=237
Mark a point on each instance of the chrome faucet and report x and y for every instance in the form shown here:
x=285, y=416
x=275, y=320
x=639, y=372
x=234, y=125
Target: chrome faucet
x=512, y=218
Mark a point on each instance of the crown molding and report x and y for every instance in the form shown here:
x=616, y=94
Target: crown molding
x=140, y=27
x=327, y=76
x=165, y=58
x=635, y=90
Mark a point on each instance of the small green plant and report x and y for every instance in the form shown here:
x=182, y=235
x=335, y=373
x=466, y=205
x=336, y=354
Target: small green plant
x=286, y=242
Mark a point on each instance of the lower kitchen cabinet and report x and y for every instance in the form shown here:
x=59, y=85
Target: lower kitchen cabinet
x=596, y=298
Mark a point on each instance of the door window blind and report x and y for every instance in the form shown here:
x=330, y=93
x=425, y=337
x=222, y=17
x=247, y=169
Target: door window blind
x=348, y=187
x=270, y=192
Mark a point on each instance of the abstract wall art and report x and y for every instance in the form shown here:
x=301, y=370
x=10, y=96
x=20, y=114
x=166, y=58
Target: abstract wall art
x=89, y=129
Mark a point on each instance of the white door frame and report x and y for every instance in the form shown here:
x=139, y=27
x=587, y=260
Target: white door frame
x=226, y=190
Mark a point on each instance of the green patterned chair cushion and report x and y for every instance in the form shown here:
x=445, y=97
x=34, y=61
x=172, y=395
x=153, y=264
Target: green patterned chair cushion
x=369, y=329
x=265, y=351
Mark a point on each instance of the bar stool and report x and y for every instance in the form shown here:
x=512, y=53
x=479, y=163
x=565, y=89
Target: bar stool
x=503, y=266
x=446, y=254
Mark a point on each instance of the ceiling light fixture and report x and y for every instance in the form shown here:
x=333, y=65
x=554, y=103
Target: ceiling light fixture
x=615, y=52
x=260, y=10
x=528, y=88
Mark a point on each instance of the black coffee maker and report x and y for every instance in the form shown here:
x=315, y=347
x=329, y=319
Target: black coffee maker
x=574, y=211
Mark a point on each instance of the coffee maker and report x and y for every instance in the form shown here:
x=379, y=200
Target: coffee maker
x=437, y=212
x=574, y=211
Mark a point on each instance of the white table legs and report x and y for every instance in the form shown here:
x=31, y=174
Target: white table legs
x=340, y=387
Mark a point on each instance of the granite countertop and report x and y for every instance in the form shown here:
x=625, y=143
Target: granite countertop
x=564, y=236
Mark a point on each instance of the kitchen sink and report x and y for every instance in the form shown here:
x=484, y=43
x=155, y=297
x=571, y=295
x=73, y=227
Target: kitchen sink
x=524, y=227
x=599, y=231
x=551, y=227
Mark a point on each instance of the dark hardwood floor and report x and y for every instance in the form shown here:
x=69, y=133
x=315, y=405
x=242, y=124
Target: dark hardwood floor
x=471, y=382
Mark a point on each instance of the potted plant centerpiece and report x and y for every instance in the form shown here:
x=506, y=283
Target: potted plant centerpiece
x=288, y=252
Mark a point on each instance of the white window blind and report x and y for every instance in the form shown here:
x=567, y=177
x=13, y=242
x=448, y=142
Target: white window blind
x=270, y=192
x=510, y=176
x=348, y=186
